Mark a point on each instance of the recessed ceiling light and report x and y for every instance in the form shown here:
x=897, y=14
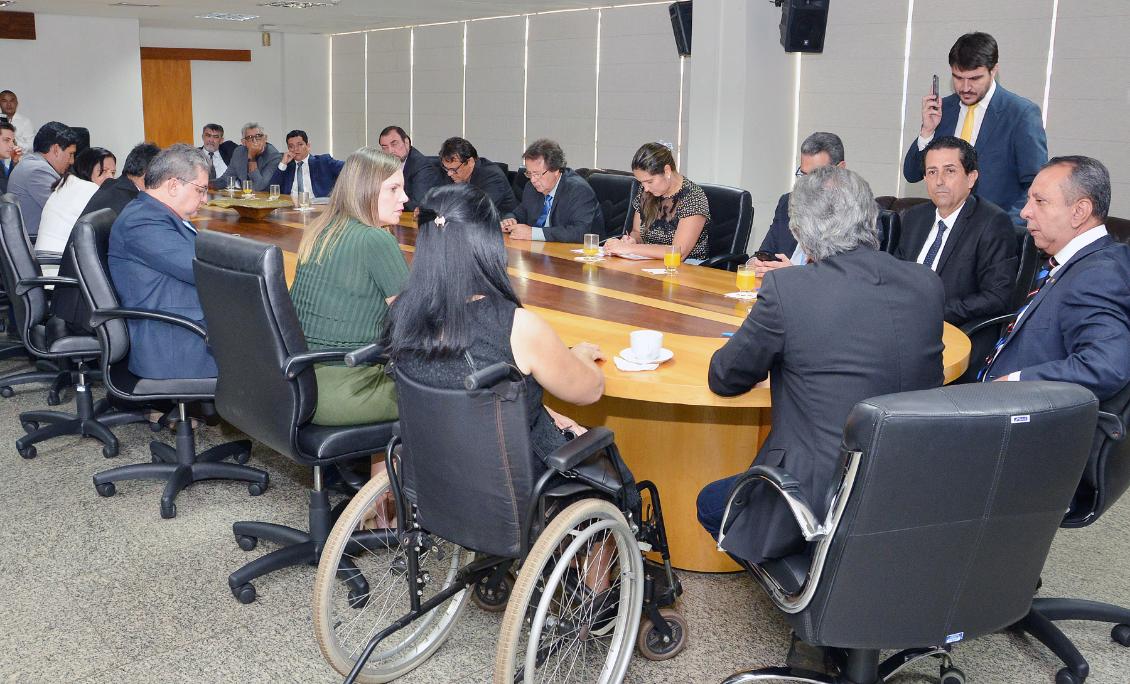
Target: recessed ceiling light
x=296, y=4
x=5, y=3
x=131, y=4
x=227, y=16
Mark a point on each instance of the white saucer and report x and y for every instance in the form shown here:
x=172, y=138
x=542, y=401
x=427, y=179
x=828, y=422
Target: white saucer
x=664, y=355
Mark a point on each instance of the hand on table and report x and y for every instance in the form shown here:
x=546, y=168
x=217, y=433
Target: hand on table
x=507, y=222
x=588, y=351
x=620, y=245
x=760, y=268
x=520, y=231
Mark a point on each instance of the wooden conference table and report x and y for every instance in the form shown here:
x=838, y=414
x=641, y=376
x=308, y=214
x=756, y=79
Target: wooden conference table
x=670, y=428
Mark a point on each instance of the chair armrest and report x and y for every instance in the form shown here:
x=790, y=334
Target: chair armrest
x=300, y=362
x=732, y=258
x=102, y=315
x=974, y=327
x=567, y=456
x=49, y=258
x=488, y=376
x=366, y=356
x=27, y=284
x=1111, y=425
x=790, y=490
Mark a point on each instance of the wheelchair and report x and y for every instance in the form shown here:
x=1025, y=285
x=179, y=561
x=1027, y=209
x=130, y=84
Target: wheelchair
x=574, y=555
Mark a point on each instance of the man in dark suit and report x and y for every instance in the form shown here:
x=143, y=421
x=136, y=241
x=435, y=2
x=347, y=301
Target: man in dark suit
x=10, y=153
x=299, y=171
x=212, y=138
x=969, y=242
x=1076, y=327
x=462, y=164
x=152, y=246
x=557, y=205
x=421, y=173
x=1006, y=129
x=255, y=160
x=818, y=333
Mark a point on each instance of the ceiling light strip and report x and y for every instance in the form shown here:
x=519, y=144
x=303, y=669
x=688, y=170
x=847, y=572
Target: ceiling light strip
x=596, y=98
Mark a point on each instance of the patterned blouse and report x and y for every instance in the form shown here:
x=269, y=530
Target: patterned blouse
x=690, y=200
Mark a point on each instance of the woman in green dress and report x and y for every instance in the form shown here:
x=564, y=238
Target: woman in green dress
x=350, y=268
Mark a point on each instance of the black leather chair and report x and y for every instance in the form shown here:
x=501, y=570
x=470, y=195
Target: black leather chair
x=731, y=219
x=890, y=230
x=1105, y=479
x=614, y=193
x=48, y=338
x=937, y=532
x=178, y=467
x=266, y=388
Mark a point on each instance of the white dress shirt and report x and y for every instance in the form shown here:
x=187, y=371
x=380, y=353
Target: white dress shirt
x=25, y=131
x=933, y=234
x=978, y=119
x=63, y=208
x=217, y=161
x=305, y=170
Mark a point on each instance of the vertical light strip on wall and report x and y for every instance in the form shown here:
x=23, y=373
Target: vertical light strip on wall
x=330, y=77
x=525, y=79
x=796, y=117
x=679, y=121
x=905, y=85
x=365, y=89
x=464, y=133
x=596, y=101
x=1051, y=50
x=411, y=82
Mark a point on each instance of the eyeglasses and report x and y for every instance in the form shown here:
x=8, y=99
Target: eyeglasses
x=537, y=176
x=256, y=138
x=201, y=190
x=452, y=170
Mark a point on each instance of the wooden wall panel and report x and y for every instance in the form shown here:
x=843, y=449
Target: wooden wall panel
x=17, y=25
x=166, y=94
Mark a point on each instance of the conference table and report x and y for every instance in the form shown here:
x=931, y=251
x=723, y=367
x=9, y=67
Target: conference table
x=670, y=428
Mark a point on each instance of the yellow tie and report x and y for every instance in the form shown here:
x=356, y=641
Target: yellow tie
x=967, y=127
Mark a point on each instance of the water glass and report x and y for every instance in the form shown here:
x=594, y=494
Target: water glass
x=274, y=192
x=304, y=200
x=232, y=185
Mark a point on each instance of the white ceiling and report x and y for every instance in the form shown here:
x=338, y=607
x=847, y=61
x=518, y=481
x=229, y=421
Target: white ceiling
x=347, y=15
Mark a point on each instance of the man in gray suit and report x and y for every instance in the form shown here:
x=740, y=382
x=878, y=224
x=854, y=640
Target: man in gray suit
x=254, y=160
x=557, y=205
x=855, y=323
x=32, y=180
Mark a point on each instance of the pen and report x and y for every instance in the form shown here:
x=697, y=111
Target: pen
x=727, y=334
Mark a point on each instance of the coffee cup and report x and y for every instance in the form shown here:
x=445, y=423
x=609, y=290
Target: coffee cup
x=646, y=344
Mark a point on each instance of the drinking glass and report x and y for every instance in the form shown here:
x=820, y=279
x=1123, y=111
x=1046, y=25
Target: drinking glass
x=304, y=200
x=591, y=250
x=746, y=279
x=274, y=192
x=247, y=190
x=671, y=259
x=232, y=185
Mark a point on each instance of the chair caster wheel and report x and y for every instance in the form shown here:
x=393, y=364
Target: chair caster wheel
x=29, y=426
x=493, y=600
x=52, y=398
x=245, y=593
x=952, y=675
x=256, y=489
x=168, y=510
x=247, y=543
x=7, y=392
x=106, y=490
x=109, y=451
x=27, y=452
x=651, y=642
x=1121, y=634
x=242, y=457
x=1066, y=676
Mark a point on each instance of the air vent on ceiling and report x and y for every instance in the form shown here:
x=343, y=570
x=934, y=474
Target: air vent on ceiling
x=227, y=16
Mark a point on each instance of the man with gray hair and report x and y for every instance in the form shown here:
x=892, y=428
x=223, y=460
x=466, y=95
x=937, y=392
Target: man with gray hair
x=152, y=246
x=557, y=205
x=255, y=160
x=854, y=324
x=818, y=150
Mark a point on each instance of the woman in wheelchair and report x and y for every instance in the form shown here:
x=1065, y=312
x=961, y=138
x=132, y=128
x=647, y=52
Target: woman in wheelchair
x=492, y=492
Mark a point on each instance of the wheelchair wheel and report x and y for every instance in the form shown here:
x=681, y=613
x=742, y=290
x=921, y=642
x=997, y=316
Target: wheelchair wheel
x=558, y=629
x=362, y=586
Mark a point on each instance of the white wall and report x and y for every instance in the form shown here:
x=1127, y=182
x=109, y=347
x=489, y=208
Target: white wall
x=83, y=71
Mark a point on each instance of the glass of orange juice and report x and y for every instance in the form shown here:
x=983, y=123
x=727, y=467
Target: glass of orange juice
x=591, y=248
x=671, y=259
x=746, y=279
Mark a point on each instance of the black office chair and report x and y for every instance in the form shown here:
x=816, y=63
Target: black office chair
x=266, y=388
x=48, y=338
x=890, y=230
x=518, y=181
x=940, y=525
x=1105, y=479
x=178, y=467
x=731, y=219
x=614, y=193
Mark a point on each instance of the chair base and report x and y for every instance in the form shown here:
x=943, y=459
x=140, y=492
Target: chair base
x=93, y=419
x=300, y=548
x=181, y=466
x=856, y=666
x=1046, y=611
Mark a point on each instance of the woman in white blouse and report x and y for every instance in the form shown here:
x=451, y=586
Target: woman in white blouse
x=69, y=197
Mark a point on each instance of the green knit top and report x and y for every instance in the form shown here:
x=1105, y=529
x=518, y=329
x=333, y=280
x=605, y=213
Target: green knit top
x=340, y=299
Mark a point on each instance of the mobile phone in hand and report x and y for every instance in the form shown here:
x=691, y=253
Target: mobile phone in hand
x=934, y=86
x=765, y=256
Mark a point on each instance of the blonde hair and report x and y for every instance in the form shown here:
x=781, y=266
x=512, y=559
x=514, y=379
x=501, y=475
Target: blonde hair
x=354, y=197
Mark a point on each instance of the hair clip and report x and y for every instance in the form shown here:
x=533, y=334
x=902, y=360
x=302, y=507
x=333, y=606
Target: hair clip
x=440, y=221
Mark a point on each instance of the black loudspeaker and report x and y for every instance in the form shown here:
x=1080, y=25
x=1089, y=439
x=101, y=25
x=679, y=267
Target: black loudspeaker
x=681, y=25
x=802, y=25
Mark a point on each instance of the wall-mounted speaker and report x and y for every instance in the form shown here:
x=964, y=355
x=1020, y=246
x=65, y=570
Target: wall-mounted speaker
x=803, y=23
x=681, y=25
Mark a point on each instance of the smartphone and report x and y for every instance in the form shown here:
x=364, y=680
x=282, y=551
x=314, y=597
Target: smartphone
x=765, y=256
x=934, y=86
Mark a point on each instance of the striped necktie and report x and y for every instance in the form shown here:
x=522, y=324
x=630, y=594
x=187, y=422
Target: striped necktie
x=543, y=217
x=298, y=175
x=936, y=247
x=1041, y=278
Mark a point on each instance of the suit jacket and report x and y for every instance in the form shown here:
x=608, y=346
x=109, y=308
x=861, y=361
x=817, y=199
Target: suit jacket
x=4, y=173
x=324, y=170
x=779, y=239
x=267, y=163
x=829, y=335
x=227, y=148
x=978, y=263
x=150, y=258
x=421, y=173
x=489, y=178
x=574, y=212
x=31, y=183
x=1011, y=148
x=1077, y=328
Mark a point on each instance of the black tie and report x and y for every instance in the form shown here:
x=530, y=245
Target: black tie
x=298, y=173
x=934, y=248
x=211, y=166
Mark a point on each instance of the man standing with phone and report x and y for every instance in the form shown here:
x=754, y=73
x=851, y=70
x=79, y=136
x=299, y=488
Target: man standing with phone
x=1004, y=128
